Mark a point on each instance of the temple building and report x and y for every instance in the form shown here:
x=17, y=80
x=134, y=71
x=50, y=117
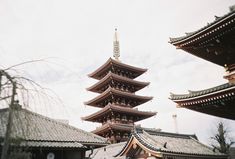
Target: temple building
x=117, y=87
x=215, y=43
x=154, y=144
x=150, y=143
x=117, y=98
x=36, y=136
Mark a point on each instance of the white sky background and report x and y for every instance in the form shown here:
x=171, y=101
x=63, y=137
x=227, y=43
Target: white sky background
x=77, y=37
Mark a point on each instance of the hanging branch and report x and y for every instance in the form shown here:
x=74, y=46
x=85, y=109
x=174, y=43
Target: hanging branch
x=26, y=62
x=6, y=142
x=14, y=88
x=0, y=82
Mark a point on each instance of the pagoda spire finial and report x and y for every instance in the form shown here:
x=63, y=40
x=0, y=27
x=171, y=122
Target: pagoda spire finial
x=116, y=49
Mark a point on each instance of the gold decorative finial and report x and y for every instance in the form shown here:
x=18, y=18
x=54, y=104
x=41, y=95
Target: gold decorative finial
x=116, y=49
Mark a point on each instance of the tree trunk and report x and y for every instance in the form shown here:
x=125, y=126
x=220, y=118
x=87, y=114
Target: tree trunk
x=6, y=143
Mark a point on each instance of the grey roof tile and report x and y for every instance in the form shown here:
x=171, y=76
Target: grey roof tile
x=217, y=20
x=174, y=143
x=107, y=152
x=33, y=127
x=201, y=92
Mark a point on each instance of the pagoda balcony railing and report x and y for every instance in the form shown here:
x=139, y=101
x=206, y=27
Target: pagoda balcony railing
x=120, y=102
x=119, y=72
x=130, y=122
x=125, y=88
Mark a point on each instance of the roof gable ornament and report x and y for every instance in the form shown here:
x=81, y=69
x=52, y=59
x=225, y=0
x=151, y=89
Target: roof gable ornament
x=116, y=48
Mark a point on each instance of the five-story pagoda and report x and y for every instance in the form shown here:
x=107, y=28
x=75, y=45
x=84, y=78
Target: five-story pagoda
x=117, y=87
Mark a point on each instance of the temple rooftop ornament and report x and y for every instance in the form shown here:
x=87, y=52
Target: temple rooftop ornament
x=116, y=47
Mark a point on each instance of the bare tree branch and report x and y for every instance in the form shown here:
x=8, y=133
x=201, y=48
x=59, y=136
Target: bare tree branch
x=14, y=88
x=26, y=62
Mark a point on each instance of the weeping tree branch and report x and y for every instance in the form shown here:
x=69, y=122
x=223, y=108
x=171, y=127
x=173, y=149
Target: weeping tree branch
x=26, y=62
x=12, y=88
x=0, y=82
x=6, y=142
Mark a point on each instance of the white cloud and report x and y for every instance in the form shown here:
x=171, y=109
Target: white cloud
x=79, y=35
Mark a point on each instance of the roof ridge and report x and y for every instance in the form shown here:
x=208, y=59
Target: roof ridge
x=215, y=22
x=199, y=93
x=170, y=134
x=110, y=60
x=206, y=146
x=144, y=141
x=130, y=66
x=111, y=90
x=131, y=94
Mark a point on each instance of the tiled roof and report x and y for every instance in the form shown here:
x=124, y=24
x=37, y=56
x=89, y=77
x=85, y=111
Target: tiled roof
x=174, y=143
x=217, y=21
x=114, y=126
x=111, y=91
x=232, y=152
x=107, y=152
x=115, y=108
x=192, y=94
x=69, y=144
x=111, y=76
x=39, y=130
x=111, y=62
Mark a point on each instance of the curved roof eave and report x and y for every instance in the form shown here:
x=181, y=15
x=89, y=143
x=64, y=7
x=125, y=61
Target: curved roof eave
x=189, y=36
x=111, y=75
x=110, y=107
x=203, y=93
x=110, y=61
x=117, y=92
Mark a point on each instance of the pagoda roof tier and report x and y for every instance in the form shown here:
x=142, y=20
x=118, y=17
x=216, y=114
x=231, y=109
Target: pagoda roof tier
x=111, y=76
x=98, y=74
x=110, y=92
x=215, y=42
x=218, y=101
x=113, y=126
x=107, y=110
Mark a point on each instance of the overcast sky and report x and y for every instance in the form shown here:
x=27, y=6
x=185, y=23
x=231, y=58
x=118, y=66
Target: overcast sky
x=76, y=37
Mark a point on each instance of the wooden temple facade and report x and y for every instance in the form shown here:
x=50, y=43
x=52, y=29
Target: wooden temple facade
x=117, y=87
x=215, y=43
